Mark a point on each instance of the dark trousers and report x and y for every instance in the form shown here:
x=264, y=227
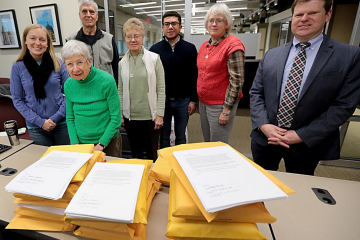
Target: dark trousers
x=179, y=109
x=296, y=159
x=142, y=137
x=58, y=136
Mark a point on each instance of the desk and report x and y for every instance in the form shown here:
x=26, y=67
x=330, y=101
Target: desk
x=20, y=160
x=301, y=216
x=5, y=140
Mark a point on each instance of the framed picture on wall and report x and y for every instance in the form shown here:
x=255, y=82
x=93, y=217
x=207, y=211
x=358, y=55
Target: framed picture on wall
x=47, y=16
x=9, y=34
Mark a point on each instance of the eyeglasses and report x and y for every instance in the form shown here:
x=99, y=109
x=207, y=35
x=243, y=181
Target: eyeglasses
x=78, y=64
x=217, y=21
x=173, y=24
x=129, y=37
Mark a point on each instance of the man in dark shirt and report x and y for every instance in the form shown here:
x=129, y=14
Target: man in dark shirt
x=179, y=61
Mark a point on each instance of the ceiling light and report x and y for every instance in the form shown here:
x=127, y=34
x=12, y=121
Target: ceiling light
x=139, y=8
x=241, y=8
x=158, y=11
x=137, y=4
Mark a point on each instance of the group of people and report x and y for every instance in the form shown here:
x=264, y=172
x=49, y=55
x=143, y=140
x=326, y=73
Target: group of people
x=303, y=91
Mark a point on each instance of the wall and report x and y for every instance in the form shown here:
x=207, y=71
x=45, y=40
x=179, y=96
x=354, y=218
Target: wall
x=343, y=22
x=273, y=19
x=68, y=18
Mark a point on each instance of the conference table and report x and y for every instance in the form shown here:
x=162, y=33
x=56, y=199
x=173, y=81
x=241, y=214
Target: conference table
x=5, y=140
x=301, y=216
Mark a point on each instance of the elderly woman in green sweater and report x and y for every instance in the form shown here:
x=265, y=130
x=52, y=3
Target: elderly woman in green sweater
x=92, y=102
x=142, y=92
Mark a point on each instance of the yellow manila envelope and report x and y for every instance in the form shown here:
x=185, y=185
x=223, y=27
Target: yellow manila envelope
x=37, y=224
x=185, y=207
x=80, y=148
x=161, y=171
x=103, y=235
x=184, y=228
x=167, y=153
x=50, y=203
x=29, y=212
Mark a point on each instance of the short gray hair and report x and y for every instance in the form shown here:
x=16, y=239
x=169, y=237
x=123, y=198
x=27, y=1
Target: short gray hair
x=75, y=48
x=88, y=2
x=133, y=23
x=221, y=9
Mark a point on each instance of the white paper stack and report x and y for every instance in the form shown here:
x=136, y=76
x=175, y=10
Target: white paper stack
x=109, y=193
x=223, y=179
x=50, y=176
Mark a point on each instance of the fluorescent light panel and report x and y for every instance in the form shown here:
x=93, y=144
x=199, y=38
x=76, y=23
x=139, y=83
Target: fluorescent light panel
x=137, y=4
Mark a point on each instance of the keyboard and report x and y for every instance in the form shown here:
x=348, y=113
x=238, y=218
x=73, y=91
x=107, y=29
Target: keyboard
x=4, y=148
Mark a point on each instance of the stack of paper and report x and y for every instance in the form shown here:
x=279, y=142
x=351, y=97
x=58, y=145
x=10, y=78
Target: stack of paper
x=108, y=193
x=50, y=176
x=107, y=225
x=215, y=192
x=42, y=214
x=223, y=179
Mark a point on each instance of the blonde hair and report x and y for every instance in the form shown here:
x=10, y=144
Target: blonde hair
x=133, y=23
x=50, y=47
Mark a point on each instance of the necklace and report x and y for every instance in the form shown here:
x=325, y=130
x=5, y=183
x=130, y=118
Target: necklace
x=208, y=52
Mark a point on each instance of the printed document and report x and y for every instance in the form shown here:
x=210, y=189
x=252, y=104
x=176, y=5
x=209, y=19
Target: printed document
x=50, y=176
x=109, y=193
x=223, y=179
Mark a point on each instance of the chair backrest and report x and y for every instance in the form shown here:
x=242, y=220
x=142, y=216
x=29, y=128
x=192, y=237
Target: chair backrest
x=4, y=80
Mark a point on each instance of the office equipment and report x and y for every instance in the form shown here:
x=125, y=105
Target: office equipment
x=4, y=148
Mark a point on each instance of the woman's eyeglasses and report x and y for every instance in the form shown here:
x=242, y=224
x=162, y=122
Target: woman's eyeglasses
x=79, y=64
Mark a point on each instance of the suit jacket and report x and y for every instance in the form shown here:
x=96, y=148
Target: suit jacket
x=328, y=98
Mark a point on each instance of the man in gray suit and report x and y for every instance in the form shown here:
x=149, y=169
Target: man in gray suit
x=302, y=93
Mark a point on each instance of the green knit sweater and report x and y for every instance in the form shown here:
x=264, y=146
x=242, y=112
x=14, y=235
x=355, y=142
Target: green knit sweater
x=92, y=108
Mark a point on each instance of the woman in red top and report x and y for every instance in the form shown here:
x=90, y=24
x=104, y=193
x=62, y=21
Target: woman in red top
x=220, y=64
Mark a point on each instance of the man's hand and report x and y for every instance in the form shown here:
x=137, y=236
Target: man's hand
x=293, y=137
x=275, y=135
x=159, y=121
x=48, y=125
x=191, y=108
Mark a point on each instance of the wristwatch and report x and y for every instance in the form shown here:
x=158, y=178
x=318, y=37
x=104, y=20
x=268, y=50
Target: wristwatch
x=225, y=114
x=102, y=145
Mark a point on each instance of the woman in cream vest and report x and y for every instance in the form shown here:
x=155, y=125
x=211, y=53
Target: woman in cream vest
x=141, y=91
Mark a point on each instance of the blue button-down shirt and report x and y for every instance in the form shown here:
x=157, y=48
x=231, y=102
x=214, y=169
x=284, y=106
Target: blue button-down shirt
x=311, y=53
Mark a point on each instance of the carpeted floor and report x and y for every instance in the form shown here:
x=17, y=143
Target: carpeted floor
x=240, y=140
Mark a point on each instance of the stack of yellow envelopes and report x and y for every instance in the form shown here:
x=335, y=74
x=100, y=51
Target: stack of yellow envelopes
x=97, y=229
x=187, y=217
x=50, y=217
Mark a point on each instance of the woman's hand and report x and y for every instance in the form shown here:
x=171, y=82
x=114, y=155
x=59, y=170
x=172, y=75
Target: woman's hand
x=224, y=117
x=48, y=125
x=98, y=148
x=159, y=122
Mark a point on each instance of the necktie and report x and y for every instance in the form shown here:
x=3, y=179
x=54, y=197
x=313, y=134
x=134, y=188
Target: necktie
x=289, y=100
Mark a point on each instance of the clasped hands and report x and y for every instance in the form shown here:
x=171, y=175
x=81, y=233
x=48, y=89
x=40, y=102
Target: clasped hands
x=48, y=125
x=280, y=136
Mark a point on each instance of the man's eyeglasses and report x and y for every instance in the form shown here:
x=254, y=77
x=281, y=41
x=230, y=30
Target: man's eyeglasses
x=78, y=64
x=173, y=24
x=217, y=21
x=136, y=37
